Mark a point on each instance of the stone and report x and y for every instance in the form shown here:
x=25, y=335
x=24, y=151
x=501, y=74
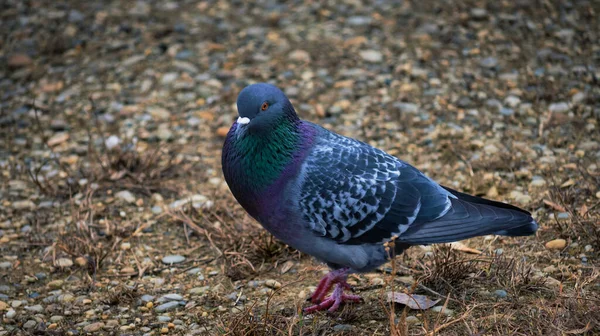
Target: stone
x=299, y=55
x=491, y=149
x=19, y=61
x=167, y=306
x=539, y=182
x=343, y=327
x=377, y=281
x=112, y=142
x=55, y=284
x=126, y=196
x=412, y=320
x=501, y=293
x=371, y=56
x=30, y=324
x=488, y=62
x=556, y=244
x=58, y=139
x=359, y=21
x=447, y=311
x=512, y=101
x=478, y=13
x=159, y=113
x=173, y=259
x=171, y=297
x=75, y=16
x=199, y=290
x=197, y=201
x=578, y=98
x=407, y=108
x=23, y=205
x=273, y=284
x=560, y=107
x=63, y=262
x=164, y=133
x=35, y=308
x=93, y=327
x=507, y=111
x=222, y=131
x=146, y=298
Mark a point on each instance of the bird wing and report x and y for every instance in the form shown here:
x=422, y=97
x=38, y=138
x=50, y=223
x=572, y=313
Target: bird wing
x=353, y=193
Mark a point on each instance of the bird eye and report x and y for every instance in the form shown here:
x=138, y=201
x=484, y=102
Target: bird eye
x=264, y=106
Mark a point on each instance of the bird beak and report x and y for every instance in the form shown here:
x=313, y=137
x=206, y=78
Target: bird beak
x=243, y=121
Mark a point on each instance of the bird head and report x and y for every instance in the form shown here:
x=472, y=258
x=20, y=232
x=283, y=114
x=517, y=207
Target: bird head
x=263, y=105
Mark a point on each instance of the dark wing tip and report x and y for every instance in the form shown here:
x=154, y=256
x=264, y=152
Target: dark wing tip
x=481, y=200
x=524, y=230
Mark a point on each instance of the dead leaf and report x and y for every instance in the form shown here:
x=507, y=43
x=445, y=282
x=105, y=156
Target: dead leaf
x=118, y=175
x=583, y=210
x=286, y=266
x=413, y=301
x=463, y=248
x=555, y=206
x=568, y=183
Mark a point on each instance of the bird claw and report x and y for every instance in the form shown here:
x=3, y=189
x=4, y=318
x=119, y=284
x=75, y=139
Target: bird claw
x=333, y=277
x=333, y=302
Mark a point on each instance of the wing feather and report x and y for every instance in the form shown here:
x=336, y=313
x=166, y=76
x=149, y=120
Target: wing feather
x=354, y=193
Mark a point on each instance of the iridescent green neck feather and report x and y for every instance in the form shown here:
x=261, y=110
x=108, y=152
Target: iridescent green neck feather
x=264, y=156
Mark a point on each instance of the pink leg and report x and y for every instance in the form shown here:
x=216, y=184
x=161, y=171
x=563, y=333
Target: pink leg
x=333, y=277
x=333, y=302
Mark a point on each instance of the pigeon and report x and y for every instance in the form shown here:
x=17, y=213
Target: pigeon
x=341, y=200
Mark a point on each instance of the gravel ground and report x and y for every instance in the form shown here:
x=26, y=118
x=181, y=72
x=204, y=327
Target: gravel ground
x=115, y=219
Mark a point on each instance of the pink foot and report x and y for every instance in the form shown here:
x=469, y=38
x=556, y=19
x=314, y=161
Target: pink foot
x=333, y=277
x=333, y=302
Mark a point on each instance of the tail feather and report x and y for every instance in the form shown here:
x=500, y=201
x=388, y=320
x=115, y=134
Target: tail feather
x=472, y=216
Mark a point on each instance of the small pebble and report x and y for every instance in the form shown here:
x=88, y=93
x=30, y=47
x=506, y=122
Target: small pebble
x=173, y=259
x=343, y=327
x=167, y=306
x=272, y=284
x=36, y=308
x=412, y=320
x=560, y=107
x=171, y=297
x=371, y=56
x=447, y=311
x=556, y=244
x=63, y=262
x=30, y=324
x=126, y=195
x=199, y=290
x=501, y=293
x=93, y=327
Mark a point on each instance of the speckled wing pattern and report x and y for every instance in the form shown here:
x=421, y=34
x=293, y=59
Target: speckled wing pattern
x=354, y=193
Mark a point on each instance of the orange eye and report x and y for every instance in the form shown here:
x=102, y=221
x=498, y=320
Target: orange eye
x=264, y=106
